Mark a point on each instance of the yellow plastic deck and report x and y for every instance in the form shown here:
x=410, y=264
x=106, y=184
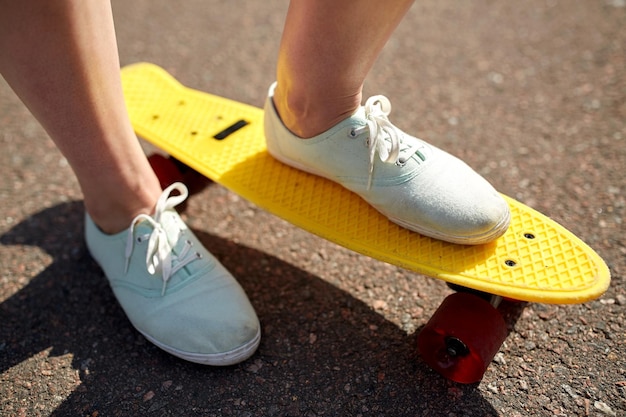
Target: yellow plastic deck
x=536, y=260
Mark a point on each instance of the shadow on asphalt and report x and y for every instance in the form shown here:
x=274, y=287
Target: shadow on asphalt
x=324, y=352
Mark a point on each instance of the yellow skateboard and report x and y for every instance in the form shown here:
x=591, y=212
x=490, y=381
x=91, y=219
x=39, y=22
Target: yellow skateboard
x=537, y=260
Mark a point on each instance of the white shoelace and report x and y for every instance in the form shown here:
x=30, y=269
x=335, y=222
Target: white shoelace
x=385, y=139
x=159, y=256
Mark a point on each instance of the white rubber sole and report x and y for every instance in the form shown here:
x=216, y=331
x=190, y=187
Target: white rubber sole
x=231, y=357
x=477, y=239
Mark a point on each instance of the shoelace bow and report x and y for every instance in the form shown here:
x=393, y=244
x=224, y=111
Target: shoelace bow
x=159, y=256
x=385, y=139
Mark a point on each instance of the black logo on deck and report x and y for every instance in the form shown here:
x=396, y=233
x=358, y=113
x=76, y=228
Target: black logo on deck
x=231, y=129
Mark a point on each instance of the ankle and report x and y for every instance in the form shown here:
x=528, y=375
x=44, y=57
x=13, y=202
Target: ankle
x=112, y=218
x=307, y=116
x=113, y=211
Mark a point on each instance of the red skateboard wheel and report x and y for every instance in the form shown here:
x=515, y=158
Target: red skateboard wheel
x=462, y=337
x=165, y=169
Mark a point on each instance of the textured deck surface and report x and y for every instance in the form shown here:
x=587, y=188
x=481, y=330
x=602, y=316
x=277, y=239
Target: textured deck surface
x=536, y=260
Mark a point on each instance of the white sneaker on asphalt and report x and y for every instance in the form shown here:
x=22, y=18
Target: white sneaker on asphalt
x=173, y=290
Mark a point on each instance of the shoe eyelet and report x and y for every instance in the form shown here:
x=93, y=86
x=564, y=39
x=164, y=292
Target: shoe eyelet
x=401, y=162
x=352, y=133
x=198, y=255
x=139, y=239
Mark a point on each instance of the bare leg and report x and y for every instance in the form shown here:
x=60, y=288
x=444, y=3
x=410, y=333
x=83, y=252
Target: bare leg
x=327, y=49
x=61, y=58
